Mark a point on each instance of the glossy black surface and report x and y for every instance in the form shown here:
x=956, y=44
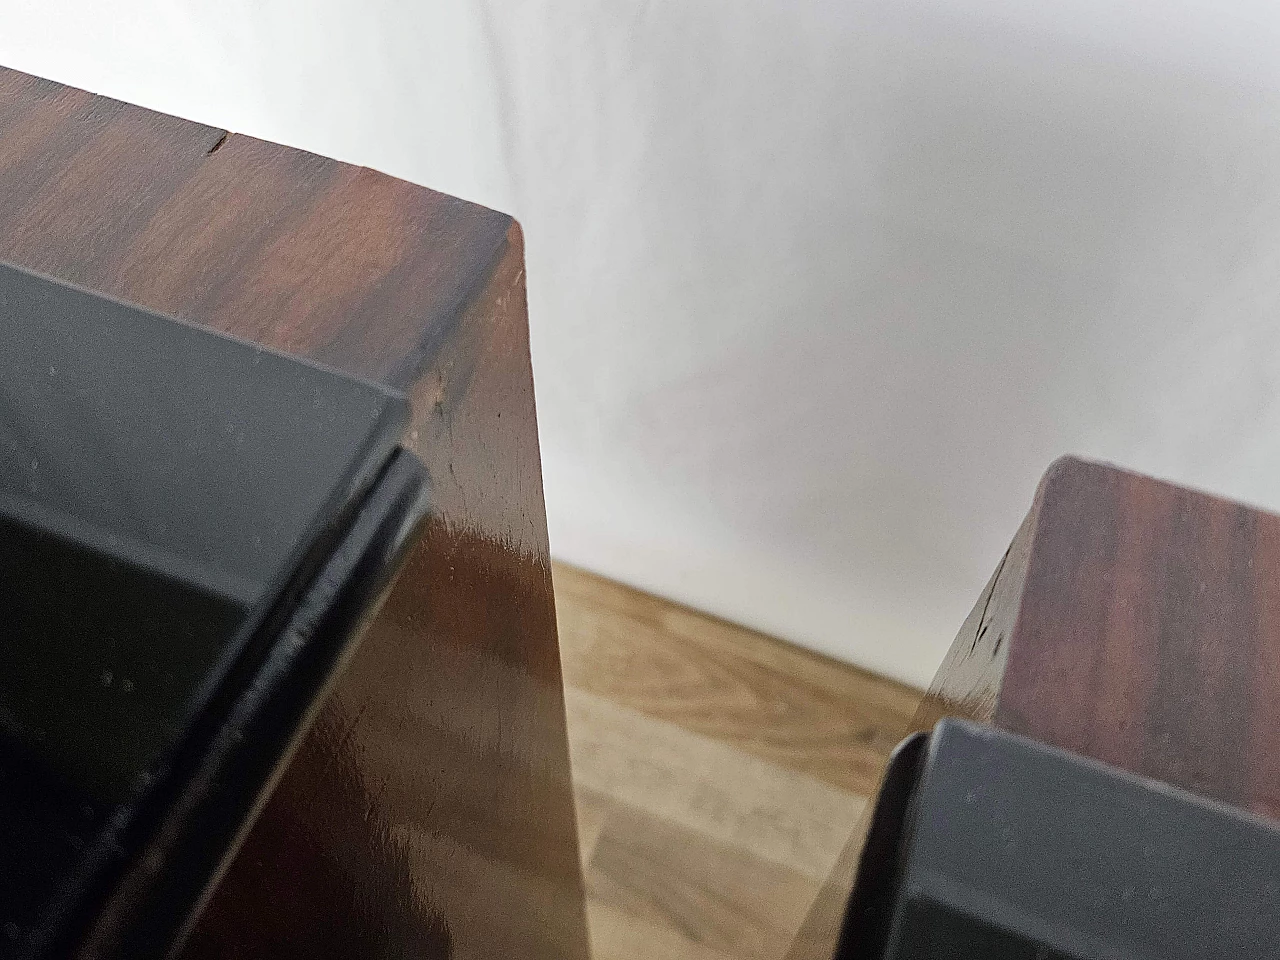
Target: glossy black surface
x=164, y=493
x=143, y=890
x=871, y=903
x=1008, y=849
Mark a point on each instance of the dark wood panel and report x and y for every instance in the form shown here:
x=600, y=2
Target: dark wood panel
x=429, y=811
x=1132, y=621
x=967, y=683
x=1138, y=640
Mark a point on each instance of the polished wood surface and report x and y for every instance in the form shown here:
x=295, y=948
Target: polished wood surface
x=1146, y=634
x=718, y=772
x=428, y=813
x=1132, y=621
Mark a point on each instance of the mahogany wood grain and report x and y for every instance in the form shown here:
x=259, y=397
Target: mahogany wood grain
x=1132, y=621
x=428, y=813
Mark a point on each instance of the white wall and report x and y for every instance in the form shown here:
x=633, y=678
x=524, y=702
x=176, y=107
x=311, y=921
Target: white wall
x=818, y=287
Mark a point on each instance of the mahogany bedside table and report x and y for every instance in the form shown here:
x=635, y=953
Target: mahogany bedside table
x=1133, y=625
x=427, y=812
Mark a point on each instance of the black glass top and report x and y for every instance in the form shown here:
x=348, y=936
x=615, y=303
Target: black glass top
x=160, y=485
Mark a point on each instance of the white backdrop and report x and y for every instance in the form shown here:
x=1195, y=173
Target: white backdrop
x=818, y=287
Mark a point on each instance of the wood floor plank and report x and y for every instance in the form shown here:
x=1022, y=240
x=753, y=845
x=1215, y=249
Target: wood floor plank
x=707, y=786
x=713, y=895
x=765, y=697
x=619, y=935
x=718, y=772
x=591, y=813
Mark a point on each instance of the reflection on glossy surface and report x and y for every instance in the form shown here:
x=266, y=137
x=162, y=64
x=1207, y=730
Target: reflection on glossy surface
x=430, y=812
x=230, y=762
x=203, y=457
x=99, y=666
x=416, y=820
x=159, y=485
